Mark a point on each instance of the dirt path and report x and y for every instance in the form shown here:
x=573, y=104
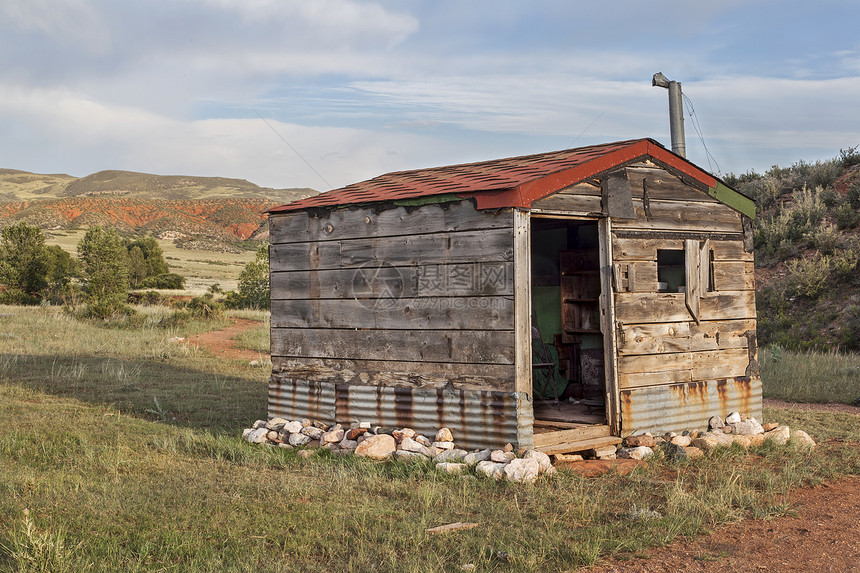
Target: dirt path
x=221, y=343
x=823, y=536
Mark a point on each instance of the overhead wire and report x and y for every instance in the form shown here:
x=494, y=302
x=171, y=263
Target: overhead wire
x=694, y=119
x=294, y=150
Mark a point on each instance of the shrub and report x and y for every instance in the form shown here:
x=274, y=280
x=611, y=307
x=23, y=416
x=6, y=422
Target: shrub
x=847, y=216
x=826, y=238
x=164, y=281
x=854, y=195
x=850, y=331
x=849, y=157
x=808, y=277
x=845, y=262
x=253, y=289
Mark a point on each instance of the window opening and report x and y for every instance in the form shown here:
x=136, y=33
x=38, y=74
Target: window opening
x=671, y=274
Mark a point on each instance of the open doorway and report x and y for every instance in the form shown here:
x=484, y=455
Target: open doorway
x=568, y=374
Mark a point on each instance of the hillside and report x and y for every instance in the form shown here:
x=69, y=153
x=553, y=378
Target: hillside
x=807, y=248
x=205, y=210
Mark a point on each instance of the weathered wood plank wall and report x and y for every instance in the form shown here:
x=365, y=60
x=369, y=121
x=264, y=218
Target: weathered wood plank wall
x=414, y=297
x=660, y=342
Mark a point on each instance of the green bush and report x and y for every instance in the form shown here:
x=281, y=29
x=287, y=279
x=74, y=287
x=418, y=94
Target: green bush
x=847, y=216
x=808, y=277
x=850, y=331
x=253, y=289
x=826, y=238
x=164, y=281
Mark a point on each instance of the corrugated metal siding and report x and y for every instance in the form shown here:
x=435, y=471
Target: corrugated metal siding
x=679, y=407
x=295, y=399
x=477, y=418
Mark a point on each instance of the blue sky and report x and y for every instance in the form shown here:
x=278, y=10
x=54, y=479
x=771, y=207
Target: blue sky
x=323, y=93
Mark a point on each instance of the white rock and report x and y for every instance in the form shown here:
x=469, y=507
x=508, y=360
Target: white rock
x=444, y=445
x=605, y=452
x=272, y=435
x=365, y=425
x=451, y=468
x=478, y=456
x=747, y=427
x=710, y=440
x=779, y=435
x=522, y=470
x=636, y=453
x=423, y=441
x=715, y=423
x=378, y=447
x=542, y=459
x=410, y=445
x=733, y=418
x=299, y=440
x=454, y=455
x=490, y=469
x=332, y=436
x=306, y=422
x=444, y=435
x=682, y=441
x=259, y=424
x=802, y=438
x=294, y=427
x=501, y=456
x=276, y=423
x=312, y=432
x=257, y=436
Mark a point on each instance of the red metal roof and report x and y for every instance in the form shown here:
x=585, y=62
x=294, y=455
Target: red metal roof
x=512, y=182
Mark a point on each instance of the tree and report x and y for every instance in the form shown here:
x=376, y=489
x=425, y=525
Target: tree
x=22, y=263
x=145, y=259
x=103, y=258
x=253, y=289
x=61, y=268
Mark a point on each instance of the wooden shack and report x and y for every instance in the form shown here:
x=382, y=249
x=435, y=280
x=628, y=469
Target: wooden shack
x=558, y=301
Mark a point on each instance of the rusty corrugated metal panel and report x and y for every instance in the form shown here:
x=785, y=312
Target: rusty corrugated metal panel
x=478, y=418
x=501, y=183
x=679, y=407
x=295, y=399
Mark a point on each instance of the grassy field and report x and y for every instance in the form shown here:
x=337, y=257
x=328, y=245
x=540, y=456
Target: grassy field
x=94, y=476
x=201, y=269
x=810, y=376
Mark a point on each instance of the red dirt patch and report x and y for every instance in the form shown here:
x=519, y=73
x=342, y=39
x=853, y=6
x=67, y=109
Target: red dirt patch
x=824, y=536
x=220, y=342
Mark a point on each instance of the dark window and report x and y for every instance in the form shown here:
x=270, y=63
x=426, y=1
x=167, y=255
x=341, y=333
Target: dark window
x=671, y=273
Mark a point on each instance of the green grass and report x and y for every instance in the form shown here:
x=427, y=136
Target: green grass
x=107, y=487
x=256, y=338
x=809, y=376
x=49, y=351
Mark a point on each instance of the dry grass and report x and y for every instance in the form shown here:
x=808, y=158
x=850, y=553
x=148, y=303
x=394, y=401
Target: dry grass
x=109, y=487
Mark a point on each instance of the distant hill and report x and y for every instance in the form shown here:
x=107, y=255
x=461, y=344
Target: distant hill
x=186, y=208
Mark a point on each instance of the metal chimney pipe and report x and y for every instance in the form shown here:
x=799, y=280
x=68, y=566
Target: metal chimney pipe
x=676, y=112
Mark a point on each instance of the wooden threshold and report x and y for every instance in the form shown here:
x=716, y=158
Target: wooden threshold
x=575, y=439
